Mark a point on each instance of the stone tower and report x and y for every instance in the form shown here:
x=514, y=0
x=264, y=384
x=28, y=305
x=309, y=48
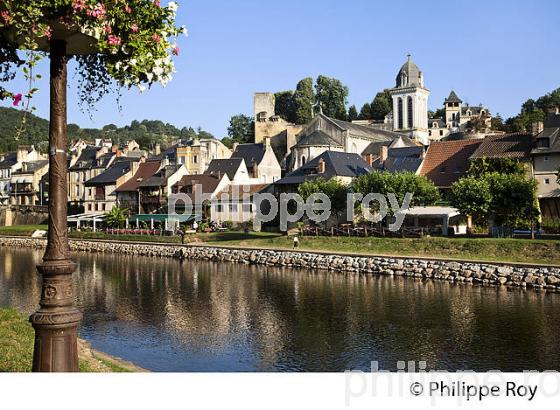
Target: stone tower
x=410, y=102
x=453, y=109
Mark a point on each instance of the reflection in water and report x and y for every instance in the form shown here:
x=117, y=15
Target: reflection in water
x=171, y=316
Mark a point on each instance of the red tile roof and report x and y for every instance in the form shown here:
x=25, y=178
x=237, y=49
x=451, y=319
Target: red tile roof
x=447, y=161
x=517, y=145
x=145, y=171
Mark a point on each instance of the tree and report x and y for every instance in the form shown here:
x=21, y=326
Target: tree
x=332, y=95
x=382, y=105
x=423, y=191
x=365, y=112
x=439, y=113
x=116, y=217
x=303, y=101
x=284, y=105
x=332, y=188
x=241, y=129
x=477, y=124
x=479, y=167
x=533, y=111
x=472, y=197
x=497, y=123
x=352, y=113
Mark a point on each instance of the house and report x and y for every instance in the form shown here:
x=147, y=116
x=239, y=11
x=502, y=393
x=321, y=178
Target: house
x=100, y=195
x=12, y=162
x=447, y=161
x=200, y=189
x=234, y=168
x=516, y=146
x=235, y=203
x=128, y=194
x=155, y=190
x=400, y=155
x=328, y=134
x=329, y=164
x=260, y=161
x=86, y=162
x=25, y=187
x=546, y=165
x=196, y=153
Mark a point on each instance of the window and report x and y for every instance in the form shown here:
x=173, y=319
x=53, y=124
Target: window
x=233, y=207
x=89, y=207
x=546, y=158
x=546, y=181
x=410, y=113
x=195, y=159
x=103, y=207
x=302, y=160
x=400, y=114
x=442, y=170
x=441, y=133
x=219, y=208
x=247, y=208
x=430, y=133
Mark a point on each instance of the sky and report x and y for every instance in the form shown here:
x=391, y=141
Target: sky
x=499, y=53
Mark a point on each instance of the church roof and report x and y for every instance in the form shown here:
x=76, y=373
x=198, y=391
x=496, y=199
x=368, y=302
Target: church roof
x=317, y=138
x=249, y=153
x=453, y=98
x=411, y=72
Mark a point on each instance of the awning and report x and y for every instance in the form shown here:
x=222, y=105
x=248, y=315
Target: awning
x=431, y=211
x=23, y=180
x=161, y=217
x=86, y=217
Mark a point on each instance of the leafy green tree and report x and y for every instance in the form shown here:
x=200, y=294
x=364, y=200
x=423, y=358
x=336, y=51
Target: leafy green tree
x=303, y=100
x=241, y=129
x=334, y=189
x=472, y=197
x=423, y=191
x=365, y=112
x=284, y=105
x=352, y=113
x=332, y=95
x=439, y=113
x=497, y=123
x=116, y=217
x=478, y=167
x=382, y=105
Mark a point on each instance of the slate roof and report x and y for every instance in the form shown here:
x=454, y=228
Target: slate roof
x=224, y=166
x=552, y=121
x=517, y=145
x=170, y=153
x=317, y=138
x=31, y=167
x=249, y=153
x=453, y=98
x=160, y=177
x=87, y=158
x=402, y=164
x=336, y=164
x=412, y=72
x=447, y=161
x=10, y=159
x=475, y=110
x=110, y=176
x=358, y=129
x=439, y=121
x=145, y=171
x=552, y=137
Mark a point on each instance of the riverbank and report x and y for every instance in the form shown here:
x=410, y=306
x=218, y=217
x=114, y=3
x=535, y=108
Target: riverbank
x=16, y=349
x=537, y=251
x=543, y=277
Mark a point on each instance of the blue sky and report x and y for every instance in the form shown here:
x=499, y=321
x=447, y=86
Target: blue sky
x=494, y=52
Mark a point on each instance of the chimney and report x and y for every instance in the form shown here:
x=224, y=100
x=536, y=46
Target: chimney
x=537, y=127
x=235, y=144
x=321, y=166
x=383, y=153
x=266, y=143
x=157, y=149
x=21, y=153
x=255, y=169
x=369, y=159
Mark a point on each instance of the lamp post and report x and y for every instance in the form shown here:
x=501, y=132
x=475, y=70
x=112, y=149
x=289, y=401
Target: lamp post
x=56, y=322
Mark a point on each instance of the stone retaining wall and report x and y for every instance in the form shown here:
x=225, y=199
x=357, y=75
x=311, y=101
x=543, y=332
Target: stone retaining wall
x=461, y=272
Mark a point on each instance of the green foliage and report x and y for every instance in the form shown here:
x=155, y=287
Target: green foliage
x=115, y=218
x=423, y=190
x=304, y=98
x=381, y=106
x=241, y=130
x=284, y=105
x=352, y=113
x=497, y=123
x=481, y=166
x=332, y=95
x=439, y=113
x=334, y=189
x=365, y=112
x=472, y=196
x=533, y=111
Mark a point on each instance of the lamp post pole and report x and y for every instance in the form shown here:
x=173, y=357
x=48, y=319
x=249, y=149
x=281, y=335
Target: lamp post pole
x=56, y=322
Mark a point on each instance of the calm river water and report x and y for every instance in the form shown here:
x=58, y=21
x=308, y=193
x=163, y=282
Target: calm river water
x=165, y=315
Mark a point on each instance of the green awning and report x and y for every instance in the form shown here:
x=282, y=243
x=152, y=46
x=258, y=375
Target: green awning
x=161, y=218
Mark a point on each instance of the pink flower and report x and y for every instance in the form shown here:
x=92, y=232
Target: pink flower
x=157, y=3
x=79, y=5
x=134, y=28
x=175, y=51
x=48, y=33
x=17, y=99
x=156, y=38
x=128, y=9
x=108, y=29
x=6, y=17
x=98, y=11
x=114, y=40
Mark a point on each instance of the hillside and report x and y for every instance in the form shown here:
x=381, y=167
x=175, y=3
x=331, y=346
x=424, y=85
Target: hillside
x=147, y=132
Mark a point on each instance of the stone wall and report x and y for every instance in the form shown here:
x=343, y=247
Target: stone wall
x=535, y=277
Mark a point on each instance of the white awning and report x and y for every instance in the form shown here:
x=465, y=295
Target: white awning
x=22, y=180
x=431, y=211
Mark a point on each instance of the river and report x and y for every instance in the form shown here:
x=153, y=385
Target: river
x=167, y=315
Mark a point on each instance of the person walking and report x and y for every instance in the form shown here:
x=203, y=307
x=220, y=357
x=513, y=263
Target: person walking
x=296, y=242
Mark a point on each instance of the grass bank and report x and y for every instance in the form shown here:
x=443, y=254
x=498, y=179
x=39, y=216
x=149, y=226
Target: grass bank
x=542, y=251
x=16, y=347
